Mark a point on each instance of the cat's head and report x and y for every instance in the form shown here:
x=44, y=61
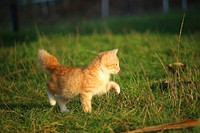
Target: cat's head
x=110, y=61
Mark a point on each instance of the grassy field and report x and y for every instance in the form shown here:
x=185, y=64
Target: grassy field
x=147, y=44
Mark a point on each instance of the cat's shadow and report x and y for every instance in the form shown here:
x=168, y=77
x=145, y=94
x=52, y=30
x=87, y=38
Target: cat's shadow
x=38, y=106
x=23, y=106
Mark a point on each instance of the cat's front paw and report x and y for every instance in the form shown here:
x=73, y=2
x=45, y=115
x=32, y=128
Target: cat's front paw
x=87, y=109
x=117, y=89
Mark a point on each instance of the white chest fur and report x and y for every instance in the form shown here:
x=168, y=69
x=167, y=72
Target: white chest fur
x=104, y=76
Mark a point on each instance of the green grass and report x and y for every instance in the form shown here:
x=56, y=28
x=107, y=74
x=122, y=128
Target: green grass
x=145, y=49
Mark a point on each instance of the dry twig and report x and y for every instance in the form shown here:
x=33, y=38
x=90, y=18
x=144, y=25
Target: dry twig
x=162, y=127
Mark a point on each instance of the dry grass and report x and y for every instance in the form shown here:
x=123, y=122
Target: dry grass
x=143, y=101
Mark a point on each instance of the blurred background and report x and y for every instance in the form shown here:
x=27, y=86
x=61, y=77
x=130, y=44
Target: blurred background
x=14, y=14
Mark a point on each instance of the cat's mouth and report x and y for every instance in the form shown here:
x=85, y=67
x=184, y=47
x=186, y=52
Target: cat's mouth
x=116, y=72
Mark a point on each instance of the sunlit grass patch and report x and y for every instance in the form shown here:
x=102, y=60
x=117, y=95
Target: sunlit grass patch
x=143, y=56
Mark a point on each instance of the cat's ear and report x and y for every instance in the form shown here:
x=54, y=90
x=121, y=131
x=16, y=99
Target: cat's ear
x=112, y=53
x=109, y=55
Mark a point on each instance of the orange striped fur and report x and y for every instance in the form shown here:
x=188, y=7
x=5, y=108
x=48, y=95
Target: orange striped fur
x=67, y=82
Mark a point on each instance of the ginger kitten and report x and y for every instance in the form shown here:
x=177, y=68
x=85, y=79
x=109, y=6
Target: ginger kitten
x=67, y=82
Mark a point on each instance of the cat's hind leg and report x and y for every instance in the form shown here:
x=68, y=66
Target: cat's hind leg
x=62, y=104
x=52, y=98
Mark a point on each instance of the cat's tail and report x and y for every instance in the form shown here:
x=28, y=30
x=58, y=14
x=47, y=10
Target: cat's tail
x=47, y=61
